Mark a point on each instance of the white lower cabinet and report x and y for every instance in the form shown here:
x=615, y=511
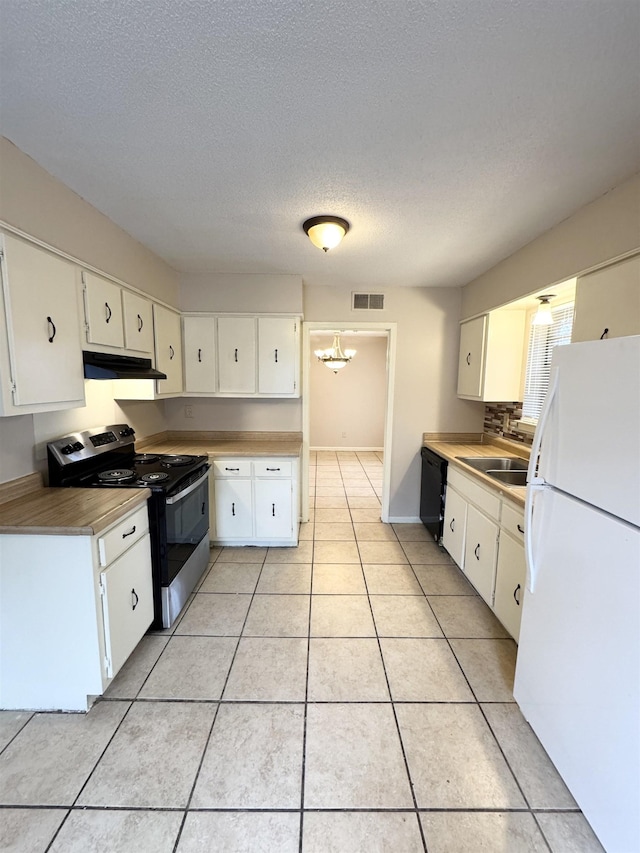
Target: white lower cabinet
x=72, y=610
x=484, y=534
x=481, y=547
x=255, y=501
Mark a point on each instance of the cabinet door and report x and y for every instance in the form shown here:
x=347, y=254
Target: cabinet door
x=510, y=579
x=138, y=322
x=273, y=509
x=168, y=340
x=455, y=519
x=233, y=509
x=103, y=307
x=471, y=360
x=480, y=552
x=277, y=351
x=608, y=299
x=43, y=321
x=199, y=354
x=127, y=603
x=237, y=355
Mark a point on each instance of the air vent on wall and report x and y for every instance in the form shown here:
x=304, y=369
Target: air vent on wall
x=367, y=301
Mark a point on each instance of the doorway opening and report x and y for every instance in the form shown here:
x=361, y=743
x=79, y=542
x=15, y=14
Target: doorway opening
x=311, y=341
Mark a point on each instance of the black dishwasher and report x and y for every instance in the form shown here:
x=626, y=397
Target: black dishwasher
x=432, y=489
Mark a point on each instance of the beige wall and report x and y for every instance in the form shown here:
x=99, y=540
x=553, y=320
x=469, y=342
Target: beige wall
x=228, y=413
x=37, y=203
x=246, y=294
x=428, y=335
x=597, y=234
x=347, y=408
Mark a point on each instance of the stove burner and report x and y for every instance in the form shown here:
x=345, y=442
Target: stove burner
x=174, y=461
x=157, y=477
x=145, y=458
x=116, y=475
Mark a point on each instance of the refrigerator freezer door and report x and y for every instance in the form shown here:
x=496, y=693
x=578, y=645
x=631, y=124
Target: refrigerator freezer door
x=591, y=443
x=578, y=668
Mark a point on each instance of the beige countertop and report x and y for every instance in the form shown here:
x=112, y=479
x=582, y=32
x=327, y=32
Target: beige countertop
x=68, y=512
x=482, y=445
x=225, y=444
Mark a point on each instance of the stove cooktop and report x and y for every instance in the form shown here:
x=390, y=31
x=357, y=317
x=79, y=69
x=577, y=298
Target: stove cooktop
x=145, y=471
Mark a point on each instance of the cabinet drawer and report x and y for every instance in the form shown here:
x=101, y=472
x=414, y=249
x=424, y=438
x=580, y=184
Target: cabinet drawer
x=231, y=468
x=116, y=540
x=488, y=502
x=513, y=521
x=272, y=467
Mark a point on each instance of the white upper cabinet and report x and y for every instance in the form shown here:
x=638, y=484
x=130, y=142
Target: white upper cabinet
x=491, y=354
x=608, y=299
x=168, y=347
x=41, y=354
x=237, y=355
x=138, y=323
x=278, y=345
x=103, y=311
x=199, y=336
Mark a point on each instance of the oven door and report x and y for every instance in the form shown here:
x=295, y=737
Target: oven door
x=187, y=523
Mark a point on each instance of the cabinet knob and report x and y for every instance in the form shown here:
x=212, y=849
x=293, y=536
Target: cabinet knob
x=134, y=599
x=468, y=358
x=452, y=525
x=521, y=529
x=515, y=595
x=130, y=533
x=477, y=551
x=235, y=354
x=276, y=356
x=107, y=312
x=140, y=323
x=273, y=510
x=233, y=509
x=199, y=355
x=172, y=352
x=53, y=327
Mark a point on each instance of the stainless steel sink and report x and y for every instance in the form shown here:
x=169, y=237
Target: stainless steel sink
x=491, y=464
x=509, y=478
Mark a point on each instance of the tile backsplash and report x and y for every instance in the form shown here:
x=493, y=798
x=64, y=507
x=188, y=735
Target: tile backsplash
x=501, y=419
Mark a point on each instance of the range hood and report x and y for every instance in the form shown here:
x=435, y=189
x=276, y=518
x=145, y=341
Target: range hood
x=102, y=365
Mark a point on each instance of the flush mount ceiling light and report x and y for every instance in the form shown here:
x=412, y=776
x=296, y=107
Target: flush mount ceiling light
x=334, y=358
x=325, y=232
x=543, y=314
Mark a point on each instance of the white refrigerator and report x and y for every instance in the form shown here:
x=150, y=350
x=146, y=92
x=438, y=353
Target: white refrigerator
x=578, y=668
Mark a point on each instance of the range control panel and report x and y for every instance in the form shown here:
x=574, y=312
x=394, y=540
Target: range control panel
x=90, y=442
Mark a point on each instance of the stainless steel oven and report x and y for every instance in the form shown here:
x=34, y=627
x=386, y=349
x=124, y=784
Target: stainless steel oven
x=178, y=507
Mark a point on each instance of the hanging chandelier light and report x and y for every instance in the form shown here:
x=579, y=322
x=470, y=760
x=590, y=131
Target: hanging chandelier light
x=543, y=317
x=334, y=357
x=325, y=232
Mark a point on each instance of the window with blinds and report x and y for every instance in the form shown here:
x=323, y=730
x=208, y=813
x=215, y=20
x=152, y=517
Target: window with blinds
x=542, y=340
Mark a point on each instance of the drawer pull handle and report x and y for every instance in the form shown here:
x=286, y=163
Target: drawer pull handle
x=273, y=469
x=521, y=529
x=276, y=356
x=140, y=323
x=134, y=599
x=53, y=333
x=200, y=355
x=107, y=312
x=235, y=354
x=273, y=510
x=452, y=525
x=476, y=550
x=172, y=352
x=515, y=595
x=233, y=509
x=231, y=469
x=133, y=530
x=468, y=358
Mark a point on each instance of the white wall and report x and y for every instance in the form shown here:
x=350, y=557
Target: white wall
x=426, y=373
x=246, y=294
x=347, y=408
x=596, y=234
x=231, y=414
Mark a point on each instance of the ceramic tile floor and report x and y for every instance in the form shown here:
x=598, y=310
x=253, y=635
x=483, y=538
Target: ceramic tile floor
x=352, y=694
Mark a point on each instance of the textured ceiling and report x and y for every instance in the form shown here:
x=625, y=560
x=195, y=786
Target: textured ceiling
x=448, y=132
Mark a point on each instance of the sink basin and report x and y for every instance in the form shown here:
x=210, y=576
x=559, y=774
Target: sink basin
x=509, y=478
x=493, y=464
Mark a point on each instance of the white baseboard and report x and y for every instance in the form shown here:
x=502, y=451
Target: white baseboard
x=352, y=449
x=404, y=519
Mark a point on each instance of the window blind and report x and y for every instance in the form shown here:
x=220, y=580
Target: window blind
x=542, y=340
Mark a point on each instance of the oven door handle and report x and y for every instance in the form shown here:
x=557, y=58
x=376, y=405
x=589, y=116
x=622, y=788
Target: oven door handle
x=190, y=488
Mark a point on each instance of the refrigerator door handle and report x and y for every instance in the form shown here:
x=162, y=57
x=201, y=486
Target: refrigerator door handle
x=535, y=483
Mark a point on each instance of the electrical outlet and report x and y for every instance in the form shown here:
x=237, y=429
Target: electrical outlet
x=188, y=412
